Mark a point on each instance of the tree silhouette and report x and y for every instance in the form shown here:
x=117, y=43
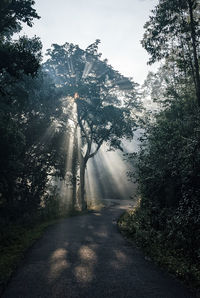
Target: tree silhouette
x=104, y=100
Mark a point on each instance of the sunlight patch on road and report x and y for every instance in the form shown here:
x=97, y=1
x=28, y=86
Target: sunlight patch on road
x=120, y=261
x=83, y=273
x=121, y=256
x=102, y=232
x=87, y=254
x=58, y=263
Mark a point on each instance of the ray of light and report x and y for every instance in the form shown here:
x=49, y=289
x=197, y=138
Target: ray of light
x=107, y=176
x=87, y=69
x=90, y=189
x=66, y=186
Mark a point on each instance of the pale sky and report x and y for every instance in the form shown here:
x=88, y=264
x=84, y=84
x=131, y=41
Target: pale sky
x=117, y=23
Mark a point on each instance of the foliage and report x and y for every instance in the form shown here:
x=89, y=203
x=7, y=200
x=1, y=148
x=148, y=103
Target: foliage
x=13, y=13
x=15, y=240
x=105, y=100
x=30, y=143
x=167, y=221
x=97, y=90
x=173, y=32
x=19, y=56
x=167, y=171
x=175, y=139
x=136, y=225
x=32, y=148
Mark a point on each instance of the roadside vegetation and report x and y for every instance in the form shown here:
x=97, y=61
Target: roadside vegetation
x=166, y=222
x=15, y=241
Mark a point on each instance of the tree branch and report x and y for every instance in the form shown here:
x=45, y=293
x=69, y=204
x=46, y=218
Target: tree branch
x=97, y=149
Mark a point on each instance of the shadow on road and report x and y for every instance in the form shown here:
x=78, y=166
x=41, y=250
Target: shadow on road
x=85, y=256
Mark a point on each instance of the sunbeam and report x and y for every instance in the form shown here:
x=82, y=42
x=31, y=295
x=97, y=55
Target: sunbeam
x=107, y=177
x=87, y=69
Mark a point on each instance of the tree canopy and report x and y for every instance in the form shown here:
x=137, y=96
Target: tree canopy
x=173, y=32
x=13, y=13
x=104, y=99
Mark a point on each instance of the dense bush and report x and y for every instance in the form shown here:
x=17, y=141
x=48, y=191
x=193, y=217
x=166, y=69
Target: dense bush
x=167, y=221
x=169, y=160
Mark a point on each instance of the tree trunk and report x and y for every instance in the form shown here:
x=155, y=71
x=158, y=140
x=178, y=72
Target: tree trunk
x=194, y=46
x=81, y=191
x=74, y=171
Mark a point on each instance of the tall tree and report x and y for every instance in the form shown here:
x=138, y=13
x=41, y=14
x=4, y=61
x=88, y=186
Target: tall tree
x=173, y=30
x=18, y=60
x=104, y=99
x=23, y=55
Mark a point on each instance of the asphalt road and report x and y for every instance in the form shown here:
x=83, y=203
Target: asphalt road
x=85, y=256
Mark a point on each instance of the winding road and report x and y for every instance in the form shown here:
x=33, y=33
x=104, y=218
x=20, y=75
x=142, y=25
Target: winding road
x=86, y=256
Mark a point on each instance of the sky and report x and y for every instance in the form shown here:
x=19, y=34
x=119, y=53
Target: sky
x=117, y=23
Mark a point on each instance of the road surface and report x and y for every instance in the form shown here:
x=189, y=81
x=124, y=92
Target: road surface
x=86, y=257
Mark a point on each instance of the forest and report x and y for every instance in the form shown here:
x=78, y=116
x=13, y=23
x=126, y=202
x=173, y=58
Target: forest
x=57, y=114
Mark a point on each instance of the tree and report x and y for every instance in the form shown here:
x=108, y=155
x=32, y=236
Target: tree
x=19, y=59
x=19, y=56
x=173, y=30
x=13, y=13
x=104, y=100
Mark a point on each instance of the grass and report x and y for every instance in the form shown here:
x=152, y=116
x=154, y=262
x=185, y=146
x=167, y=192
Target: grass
x=15, y=241
x=135, y=225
